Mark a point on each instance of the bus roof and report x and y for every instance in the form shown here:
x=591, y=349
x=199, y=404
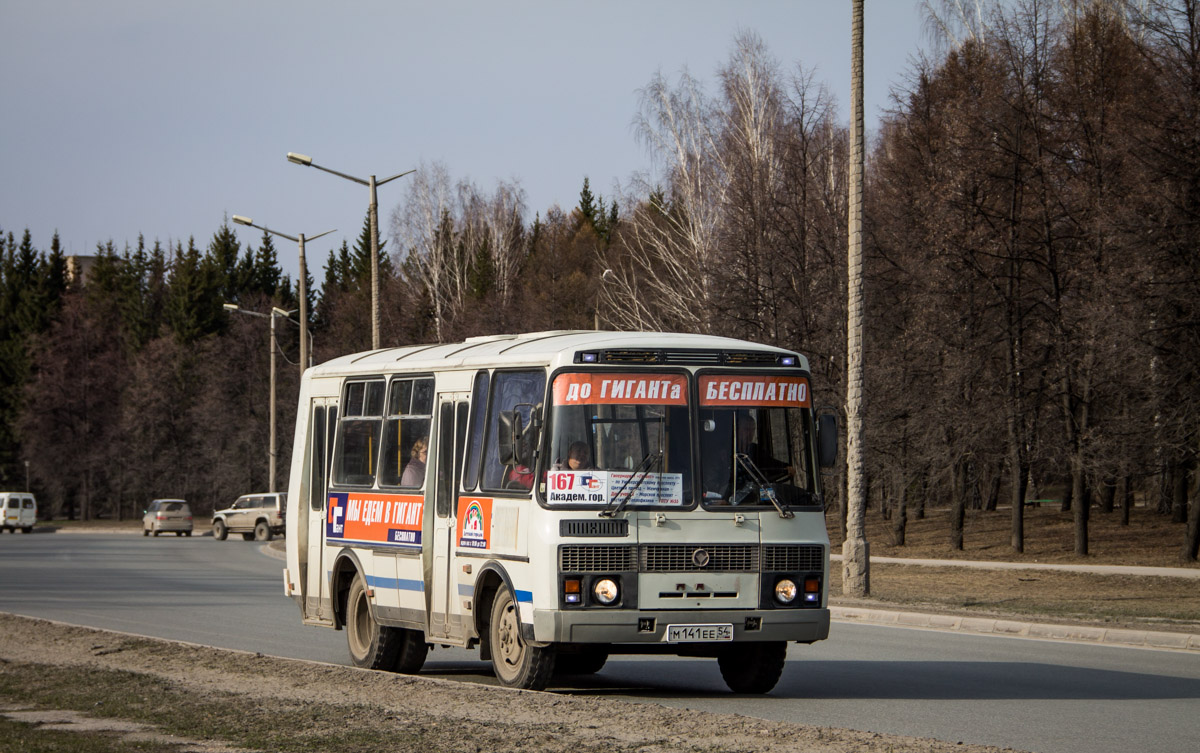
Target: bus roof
x=559, y=347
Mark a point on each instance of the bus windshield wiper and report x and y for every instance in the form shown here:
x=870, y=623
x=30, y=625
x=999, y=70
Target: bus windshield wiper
x=618, y=504
x=766, y=488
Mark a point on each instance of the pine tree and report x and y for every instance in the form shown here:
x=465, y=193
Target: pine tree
x=222, y=259
x=266, y=275
x=588, y=209
x=360, y=269
x=194, y=302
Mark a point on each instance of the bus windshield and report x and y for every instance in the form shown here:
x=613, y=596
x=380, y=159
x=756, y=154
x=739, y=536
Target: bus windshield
x=619, y=439
x=755, y=435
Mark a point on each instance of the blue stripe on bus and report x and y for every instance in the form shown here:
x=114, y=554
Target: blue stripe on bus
x=525, y=596
x=465, y=589
x=396, y=584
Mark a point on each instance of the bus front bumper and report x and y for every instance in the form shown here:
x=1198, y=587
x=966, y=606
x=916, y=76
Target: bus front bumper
x=642, y=626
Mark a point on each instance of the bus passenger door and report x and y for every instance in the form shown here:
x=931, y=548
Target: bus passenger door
x=445, y=619
x=318, y=602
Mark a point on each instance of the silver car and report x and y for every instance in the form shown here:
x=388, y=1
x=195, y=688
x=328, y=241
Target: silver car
x=167, y=516
x=258, y=517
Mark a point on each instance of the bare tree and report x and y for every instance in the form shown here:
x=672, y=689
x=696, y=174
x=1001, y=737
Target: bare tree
x=664, y=279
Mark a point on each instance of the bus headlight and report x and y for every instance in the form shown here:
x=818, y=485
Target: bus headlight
x=605, y=590
x=785, y=591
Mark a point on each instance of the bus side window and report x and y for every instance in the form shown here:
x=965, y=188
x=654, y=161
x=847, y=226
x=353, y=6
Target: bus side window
x=316, y=459
x=517, y=393
x=445, y=459
x=479, y=402
x=358, y=434
x=406, y=433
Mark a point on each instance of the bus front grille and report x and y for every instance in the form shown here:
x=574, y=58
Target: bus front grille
x=688, y=558
x=593, y=558
x=793, y=558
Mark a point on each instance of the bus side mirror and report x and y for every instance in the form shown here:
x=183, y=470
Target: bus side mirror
x=509, y=436
x=827, y=440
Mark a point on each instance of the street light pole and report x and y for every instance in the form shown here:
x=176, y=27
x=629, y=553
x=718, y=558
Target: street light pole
x=275, y=311
x=305, y=355
x=372, y=221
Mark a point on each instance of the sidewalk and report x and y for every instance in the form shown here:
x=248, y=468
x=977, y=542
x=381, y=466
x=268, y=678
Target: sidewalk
x=996, y=626
x=1018, y=629
x=1158, y=572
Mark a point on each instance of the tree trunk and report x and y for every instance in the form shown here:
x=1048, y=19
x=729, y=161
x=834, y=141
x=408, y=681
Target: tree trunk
x=900, y=523
x=919, y=505
x=1191, y=546
x=1082, y=505
x=1179, y=474
x=1126, y=498
x=958, y=510
x=993, y=495
x=1019, y=479
x=1108, y=495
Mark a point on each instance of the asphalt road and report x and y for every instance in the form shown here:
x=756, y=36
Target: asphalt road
x=1042, y=696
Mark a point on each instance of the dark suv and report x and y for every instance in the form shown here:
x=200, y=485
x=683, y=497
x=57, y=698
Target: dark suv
x=258, y=517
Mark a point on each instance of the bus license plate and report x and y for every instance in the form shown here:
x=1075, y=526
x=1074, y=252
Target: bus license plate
x=699, y=633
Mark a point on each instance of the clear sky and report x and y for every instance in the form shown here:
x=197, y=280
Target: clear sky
x=162, y=117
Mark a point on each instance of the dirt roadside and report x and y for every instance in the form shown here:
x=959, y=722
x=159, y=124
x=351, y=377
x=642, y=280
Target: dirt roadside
x=53, y=666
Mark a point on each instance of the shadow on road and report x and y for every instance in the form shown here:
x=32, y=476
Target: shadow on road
x=897, y=680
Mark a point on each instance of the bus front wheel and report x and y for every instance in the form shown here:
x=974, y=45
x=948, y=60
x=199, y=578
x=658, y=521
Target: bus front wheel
x=517, y=664
x=372, y=646
x=752, y=667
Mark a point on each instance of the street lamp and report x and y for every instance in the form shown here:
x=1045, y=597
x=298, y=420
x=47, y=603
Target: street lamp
x=372, y=220
x=304, y=354
x=275, y=311
x=600, y=289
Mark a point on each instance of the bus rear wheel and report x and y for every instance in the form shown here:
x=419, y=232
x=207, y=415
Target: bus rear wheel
x=517, y=664
x=752, y=667
x=372, y=646
x=410, y=652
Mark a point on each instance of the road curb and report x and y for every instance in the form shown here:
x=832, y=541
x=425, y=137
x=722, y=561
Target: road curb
x=994, y=626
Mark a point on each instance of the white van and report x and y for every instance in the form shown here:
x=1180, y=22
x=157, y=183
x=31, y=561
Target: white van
x=17, y=510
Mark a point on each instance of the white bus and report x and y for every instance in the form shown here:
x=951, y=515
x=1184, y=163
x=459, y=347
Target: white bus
x=556, y=497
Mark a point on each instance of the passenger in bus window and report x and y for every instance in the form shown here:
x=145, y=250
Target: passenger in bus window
x=414, y=470
x=520, y=477
x=579, y=458
x=747, y=434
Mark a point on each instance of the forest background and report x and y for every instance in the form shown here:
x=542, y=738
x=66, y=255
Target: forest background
x=1033, y=281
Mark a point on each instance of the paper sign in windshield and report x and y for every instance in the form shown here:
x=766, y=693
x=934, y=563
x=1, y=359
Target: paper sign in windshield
x=731, y=391
x=620, y=389
x=386, y=519
x=605, y=487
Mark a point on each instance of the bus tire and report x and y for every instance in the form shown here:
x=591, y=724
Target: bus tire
x=262, y=531
x=752, y=667
x=220, y=530
x=588, y=661
x=372, y=646
x=410, y=656
x=516, y=663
